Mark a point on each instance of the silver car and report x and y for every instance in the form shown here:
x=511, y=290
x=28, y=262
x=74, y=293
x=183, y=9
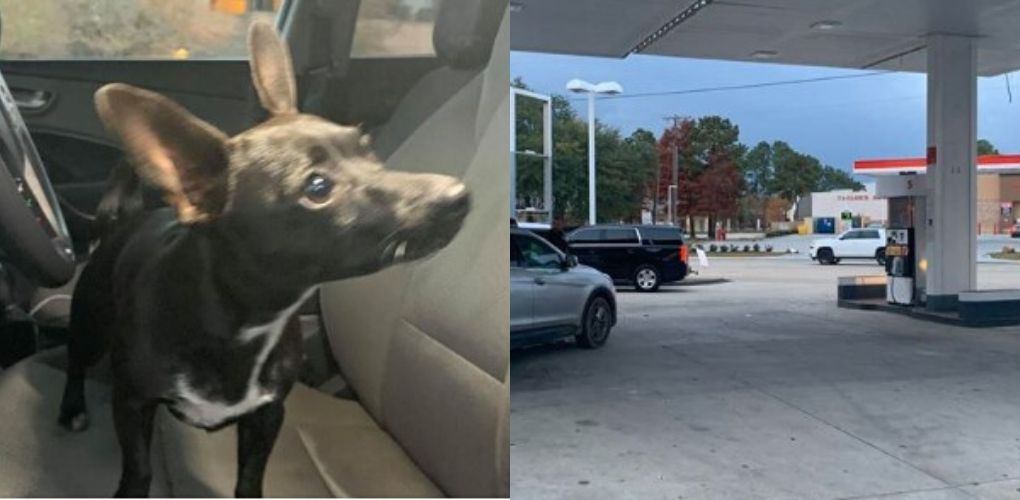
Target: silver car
x=552, y=296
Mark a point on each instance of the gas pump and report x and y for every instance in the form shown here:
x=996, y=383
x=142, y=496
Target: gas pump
x=900, y=265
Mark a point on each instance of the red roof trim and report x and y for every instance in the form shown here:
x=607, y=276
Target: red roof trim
x=889, y=164
x=992, y=161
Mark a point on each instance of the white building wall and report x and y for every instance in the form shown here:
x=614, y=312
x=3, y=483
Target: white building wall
x=864, y=203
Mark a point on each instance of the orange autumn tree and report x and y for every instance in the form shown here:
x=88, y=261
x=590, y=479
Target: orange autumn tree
x=710, y=182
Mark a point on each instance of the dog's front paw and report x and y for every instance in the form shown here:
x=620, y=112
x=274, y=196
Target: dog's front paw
x=74, y=422
x=132, y=491
x=248, y=493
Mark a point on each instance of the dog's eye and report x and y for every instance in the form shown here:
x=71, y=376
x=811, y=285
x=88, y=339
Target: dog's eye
x=318, y=188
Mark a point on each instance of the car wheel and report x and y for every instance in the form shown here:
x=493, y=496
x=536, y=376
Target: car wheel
x=596, y=323
x=880, y=256
x=826, y=257
x=646, y=278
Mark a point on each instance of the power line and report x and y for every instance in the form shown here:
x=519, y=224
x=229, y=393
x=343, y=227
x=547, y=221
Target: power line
x=703, y=90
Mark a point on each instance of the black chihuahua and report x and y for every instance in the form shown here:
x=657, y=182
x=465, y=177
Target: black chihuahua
x=195, y=302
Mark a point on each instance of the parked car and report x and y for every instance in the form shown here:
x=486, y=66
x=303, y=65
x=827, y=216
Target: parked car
x=643, y=255
x=554, y=297
x=867, y=243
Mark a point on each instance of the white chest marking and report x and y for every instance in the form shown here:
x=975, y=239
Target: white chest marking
x=204, y=412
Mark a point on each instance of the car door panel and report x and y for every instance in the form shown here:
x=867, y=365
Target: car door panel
x=554, y=290
x=522, y=296
x=849, y=245
x=522, y=291
x=615, y=260
x=861, y=245
x=584, y=244
x=620, y=247
x=557, y=295
x=846, y=246
x=874, y=243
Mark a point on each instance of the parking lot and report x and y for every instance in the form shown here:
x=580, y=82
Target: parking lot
x=759, y=387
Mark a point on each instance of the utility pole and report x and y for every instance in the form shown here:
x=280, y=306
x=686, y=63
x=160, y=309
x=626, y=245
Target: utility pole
x=655, y=195
x=674, y=186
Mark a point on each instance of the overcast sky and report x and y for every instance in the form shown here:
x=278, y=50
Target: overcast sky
x=838, y=121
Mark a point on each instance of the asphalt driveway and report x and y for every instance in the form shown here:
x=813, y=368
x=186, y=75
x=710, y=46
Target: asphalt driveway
x=760, y=387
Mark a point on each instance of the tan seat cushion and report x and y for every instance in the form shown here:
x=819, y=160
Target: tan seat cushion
x=327, y=447
x=38, y=458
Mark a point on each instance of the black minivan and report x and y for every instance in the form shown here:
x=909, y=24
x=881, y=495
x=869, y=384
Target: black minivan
x=643, y=255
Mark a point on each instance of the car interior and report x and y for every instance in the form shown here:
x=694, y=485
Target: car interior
x=406, y=386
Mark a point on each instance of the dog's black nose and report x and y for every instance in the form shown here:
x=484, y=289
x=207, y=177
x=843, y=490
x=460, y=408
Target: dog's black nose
x=453, y=202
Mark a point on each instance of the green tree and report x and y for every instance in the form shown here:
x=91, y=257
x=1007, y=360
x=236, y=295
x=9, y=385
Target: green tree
x=715, y=135
x=758, y=169
x=625, y=166
x=833, y=178
x=984, y=147
x=795, y=174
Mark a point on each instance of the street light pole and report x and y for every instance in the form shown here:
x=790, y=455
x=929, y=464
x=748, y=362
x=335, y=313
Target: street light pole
x=609, y=88
x=591, y=158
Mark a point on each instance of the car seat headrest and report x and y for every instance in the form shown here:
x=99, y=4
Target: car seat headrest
x=465, y=31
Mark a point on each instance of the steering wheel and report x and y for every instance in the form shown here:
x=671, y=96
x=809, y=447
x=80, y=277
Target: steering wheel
x=33, y=235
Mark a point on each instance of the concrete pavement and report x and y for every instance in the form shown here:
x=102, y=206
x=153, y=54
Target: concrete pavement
x=761, y=388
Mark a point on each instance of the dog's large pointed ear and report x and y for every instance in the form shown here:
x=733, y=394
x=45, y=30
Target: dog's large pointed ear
x=170, y=148
x=271, y=70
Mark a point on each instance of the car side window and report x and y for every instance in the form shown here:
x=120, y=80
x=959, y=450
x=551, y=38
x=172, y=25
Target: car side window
x=130, y=29
x=395, y=28
x=585, y=236
x=516, y=257
x=662, y=235
x=871, y=234
x=851, y=235
x=537, y=254
x=620, y=236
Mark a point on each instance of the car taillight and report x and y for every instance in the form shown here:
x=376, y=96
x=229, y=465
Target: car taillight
x=684, y=253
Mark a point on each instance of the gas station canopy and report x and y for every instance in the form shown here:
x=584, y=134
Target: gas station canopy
x=861, y=34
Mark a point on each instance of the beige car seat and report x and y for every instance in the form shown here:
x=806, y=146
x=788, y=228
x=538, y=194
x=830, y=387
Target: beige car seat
x=423, y=345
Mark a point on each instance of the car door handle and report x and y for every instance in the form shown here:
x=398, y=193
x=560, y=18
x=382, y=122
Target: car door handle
x=31, y=100
x=540, y=281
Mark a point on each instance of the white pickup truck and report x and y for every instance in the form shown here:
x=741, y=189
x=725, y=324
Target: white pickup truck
x=865, y=243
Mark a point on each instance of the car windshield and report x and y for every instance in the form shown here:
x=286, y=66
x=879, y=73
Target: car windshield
x=130, y=29
x=192, y=29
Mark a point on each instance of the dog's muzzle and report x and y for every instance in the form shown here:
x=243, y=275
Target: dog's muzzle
x=433, y=233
